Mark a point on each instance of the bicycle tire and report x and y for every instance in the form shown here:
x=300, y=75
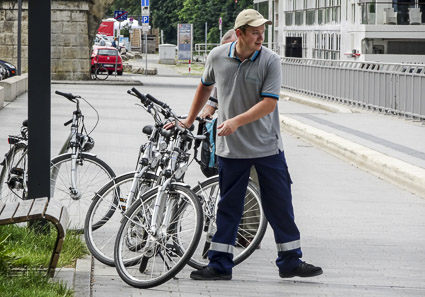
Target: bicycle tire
x=101, y=225
x=255, y=232
x=101, y=73
x=16, y=157
x=92, y=173
x=170, y=251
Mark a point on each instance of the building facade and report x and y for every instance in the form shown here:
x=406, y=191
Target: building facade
x=360, y=30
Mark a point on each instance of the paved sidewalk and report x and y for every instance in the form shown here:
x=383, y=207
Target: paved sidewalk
x=365, y=232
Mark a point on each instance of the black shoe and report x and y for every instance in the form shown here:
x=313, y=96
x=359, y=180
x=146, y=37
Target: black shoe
x=303, y=270
x=209, y=273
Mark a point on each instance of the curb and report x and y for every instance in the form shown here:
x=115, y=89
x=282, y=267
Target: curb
x=400, y=173
x=83, y=274
x=311, y=101
x=98, y=82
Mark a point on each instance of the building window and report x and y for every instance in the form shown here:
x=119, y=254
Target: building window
x=299, y=18
x=320, y=18
x=289, y=18
x=310, y=17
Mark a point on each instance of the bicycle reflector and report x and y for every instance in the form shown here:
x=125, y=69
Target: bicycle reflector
x=13, y=140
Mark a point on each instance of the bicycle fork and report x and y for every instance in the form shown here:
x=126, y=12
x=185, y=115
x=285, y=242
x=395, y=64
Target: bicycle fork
x=73, y=190
x=162, y=216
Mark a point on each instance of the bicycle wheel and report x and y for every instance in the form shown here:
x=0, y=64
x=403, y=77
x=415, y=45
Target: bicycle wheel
x=101, y=73
x=91, y=174
x=13, y=176
x=154, y=258
x=105, y=213
x=251, y=228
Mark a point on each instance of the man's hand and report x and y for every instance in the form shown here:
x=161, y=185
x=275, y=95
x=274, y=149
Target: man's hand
x=207, y=112
x=182, y=123
x=227, y=127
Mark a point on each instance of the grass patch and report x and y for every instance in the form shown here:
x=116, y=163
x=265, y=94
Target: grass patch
x=34, y=249
x=31, y=284
x=196, y=69
x=25, y=256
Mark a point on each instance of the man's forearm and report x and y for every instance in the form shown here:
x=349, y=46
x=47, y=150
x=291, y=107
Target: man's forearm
x=259, y=110
x=201, y=96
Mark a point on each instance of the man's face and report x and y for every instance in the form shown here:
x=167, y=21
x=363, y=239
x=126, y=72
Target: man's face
x=253, y=38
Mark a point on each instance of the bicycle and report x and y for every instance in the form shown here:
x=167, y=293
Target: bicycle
x=74, y=176
x=249, y=235
x=101, y=226
x=13, y=175
x=161, y=230
x=105, y=204
x=99, y=72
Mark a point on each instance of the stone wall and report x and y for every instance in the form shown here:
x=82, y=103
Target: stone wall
x=74, y=26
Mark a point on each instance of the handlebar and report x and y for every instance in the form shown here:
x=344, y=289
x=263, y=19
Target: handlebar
x=143, y=99
x=156, y=101
x=68, y=96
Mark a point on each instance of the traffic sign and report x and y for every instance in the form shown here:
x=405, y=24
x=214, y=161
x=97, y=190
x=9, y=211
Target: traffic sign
x=145, y=2
x=120, y=15
x=145, y=10
x=145, y=19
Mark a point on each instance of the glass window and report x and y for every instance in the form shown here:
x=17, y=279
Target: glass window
x=299, y=20
x=289, y=18
x=310, y=17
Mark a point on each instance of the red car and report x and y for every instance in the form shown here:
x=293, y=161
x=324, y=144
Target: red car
x=106, y=56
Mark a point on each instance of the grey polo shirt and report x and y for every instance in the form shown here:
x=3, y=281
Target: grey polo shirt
x=240, y=86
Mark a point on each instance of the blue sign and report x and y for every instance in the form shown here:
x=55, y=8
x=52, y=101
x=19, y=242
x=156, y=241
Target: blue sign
x=145, y=19
x=145, y=3
x=120, y=15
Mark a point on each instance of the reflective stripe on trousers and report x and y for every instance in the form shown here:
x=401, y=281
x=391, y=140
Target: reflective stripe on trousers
x=275, y=185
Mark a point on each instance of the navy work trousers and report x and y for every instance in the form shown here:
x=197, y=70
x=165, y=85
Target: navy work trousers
x=275, y=185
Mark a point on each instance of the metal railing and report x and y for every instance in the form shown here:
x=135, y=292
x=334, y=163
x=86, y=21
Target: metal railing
x=390, y=88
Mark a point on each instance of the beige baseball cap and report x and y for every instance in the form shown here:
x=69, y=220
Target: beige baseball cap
x=250, y=17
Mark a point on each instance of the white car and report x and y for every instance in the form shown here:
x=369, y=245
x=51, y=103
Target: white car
x=102, y=40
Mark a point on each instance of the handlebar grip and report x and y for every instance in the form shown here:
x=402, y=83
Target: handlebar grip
x=156, y=101
x=67, y=123
x=139, y=95
x=68, y=96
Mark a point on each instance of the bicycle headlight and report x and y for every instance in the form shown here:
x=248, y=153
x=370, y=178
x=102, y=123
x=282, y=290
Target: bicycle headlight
x=88, y=143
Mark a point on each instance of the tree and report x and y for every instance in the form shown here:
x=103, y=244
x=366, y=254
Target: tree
x=199, y=12
x=132, y=6
x=164, y=15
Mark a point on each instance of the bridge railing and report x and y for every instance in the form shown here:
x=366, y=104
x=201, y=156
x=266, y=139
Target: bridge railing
x=391, y=88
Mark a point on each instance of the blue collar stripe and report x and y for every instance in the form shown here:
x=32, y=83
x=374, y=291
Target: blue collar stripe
x=254, y=56
x=232, y=50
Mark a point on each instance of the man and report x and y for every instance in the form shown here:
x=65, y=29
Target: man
x=250, y=222
x=248, y=79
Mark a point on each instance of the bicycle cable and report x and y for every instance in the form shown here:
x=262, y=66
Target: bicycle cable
x=97, y=121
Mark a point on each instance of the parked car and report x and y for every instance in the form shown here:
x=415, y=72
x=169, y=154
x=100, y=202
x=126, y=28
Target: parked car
x=10, y=67
x=106, y=56
x=102, y=40
x=4, y=73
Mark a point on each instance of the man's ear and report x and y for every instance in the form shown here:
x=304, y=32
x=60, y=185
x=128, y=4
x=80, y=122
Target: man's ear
x=238, y=33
